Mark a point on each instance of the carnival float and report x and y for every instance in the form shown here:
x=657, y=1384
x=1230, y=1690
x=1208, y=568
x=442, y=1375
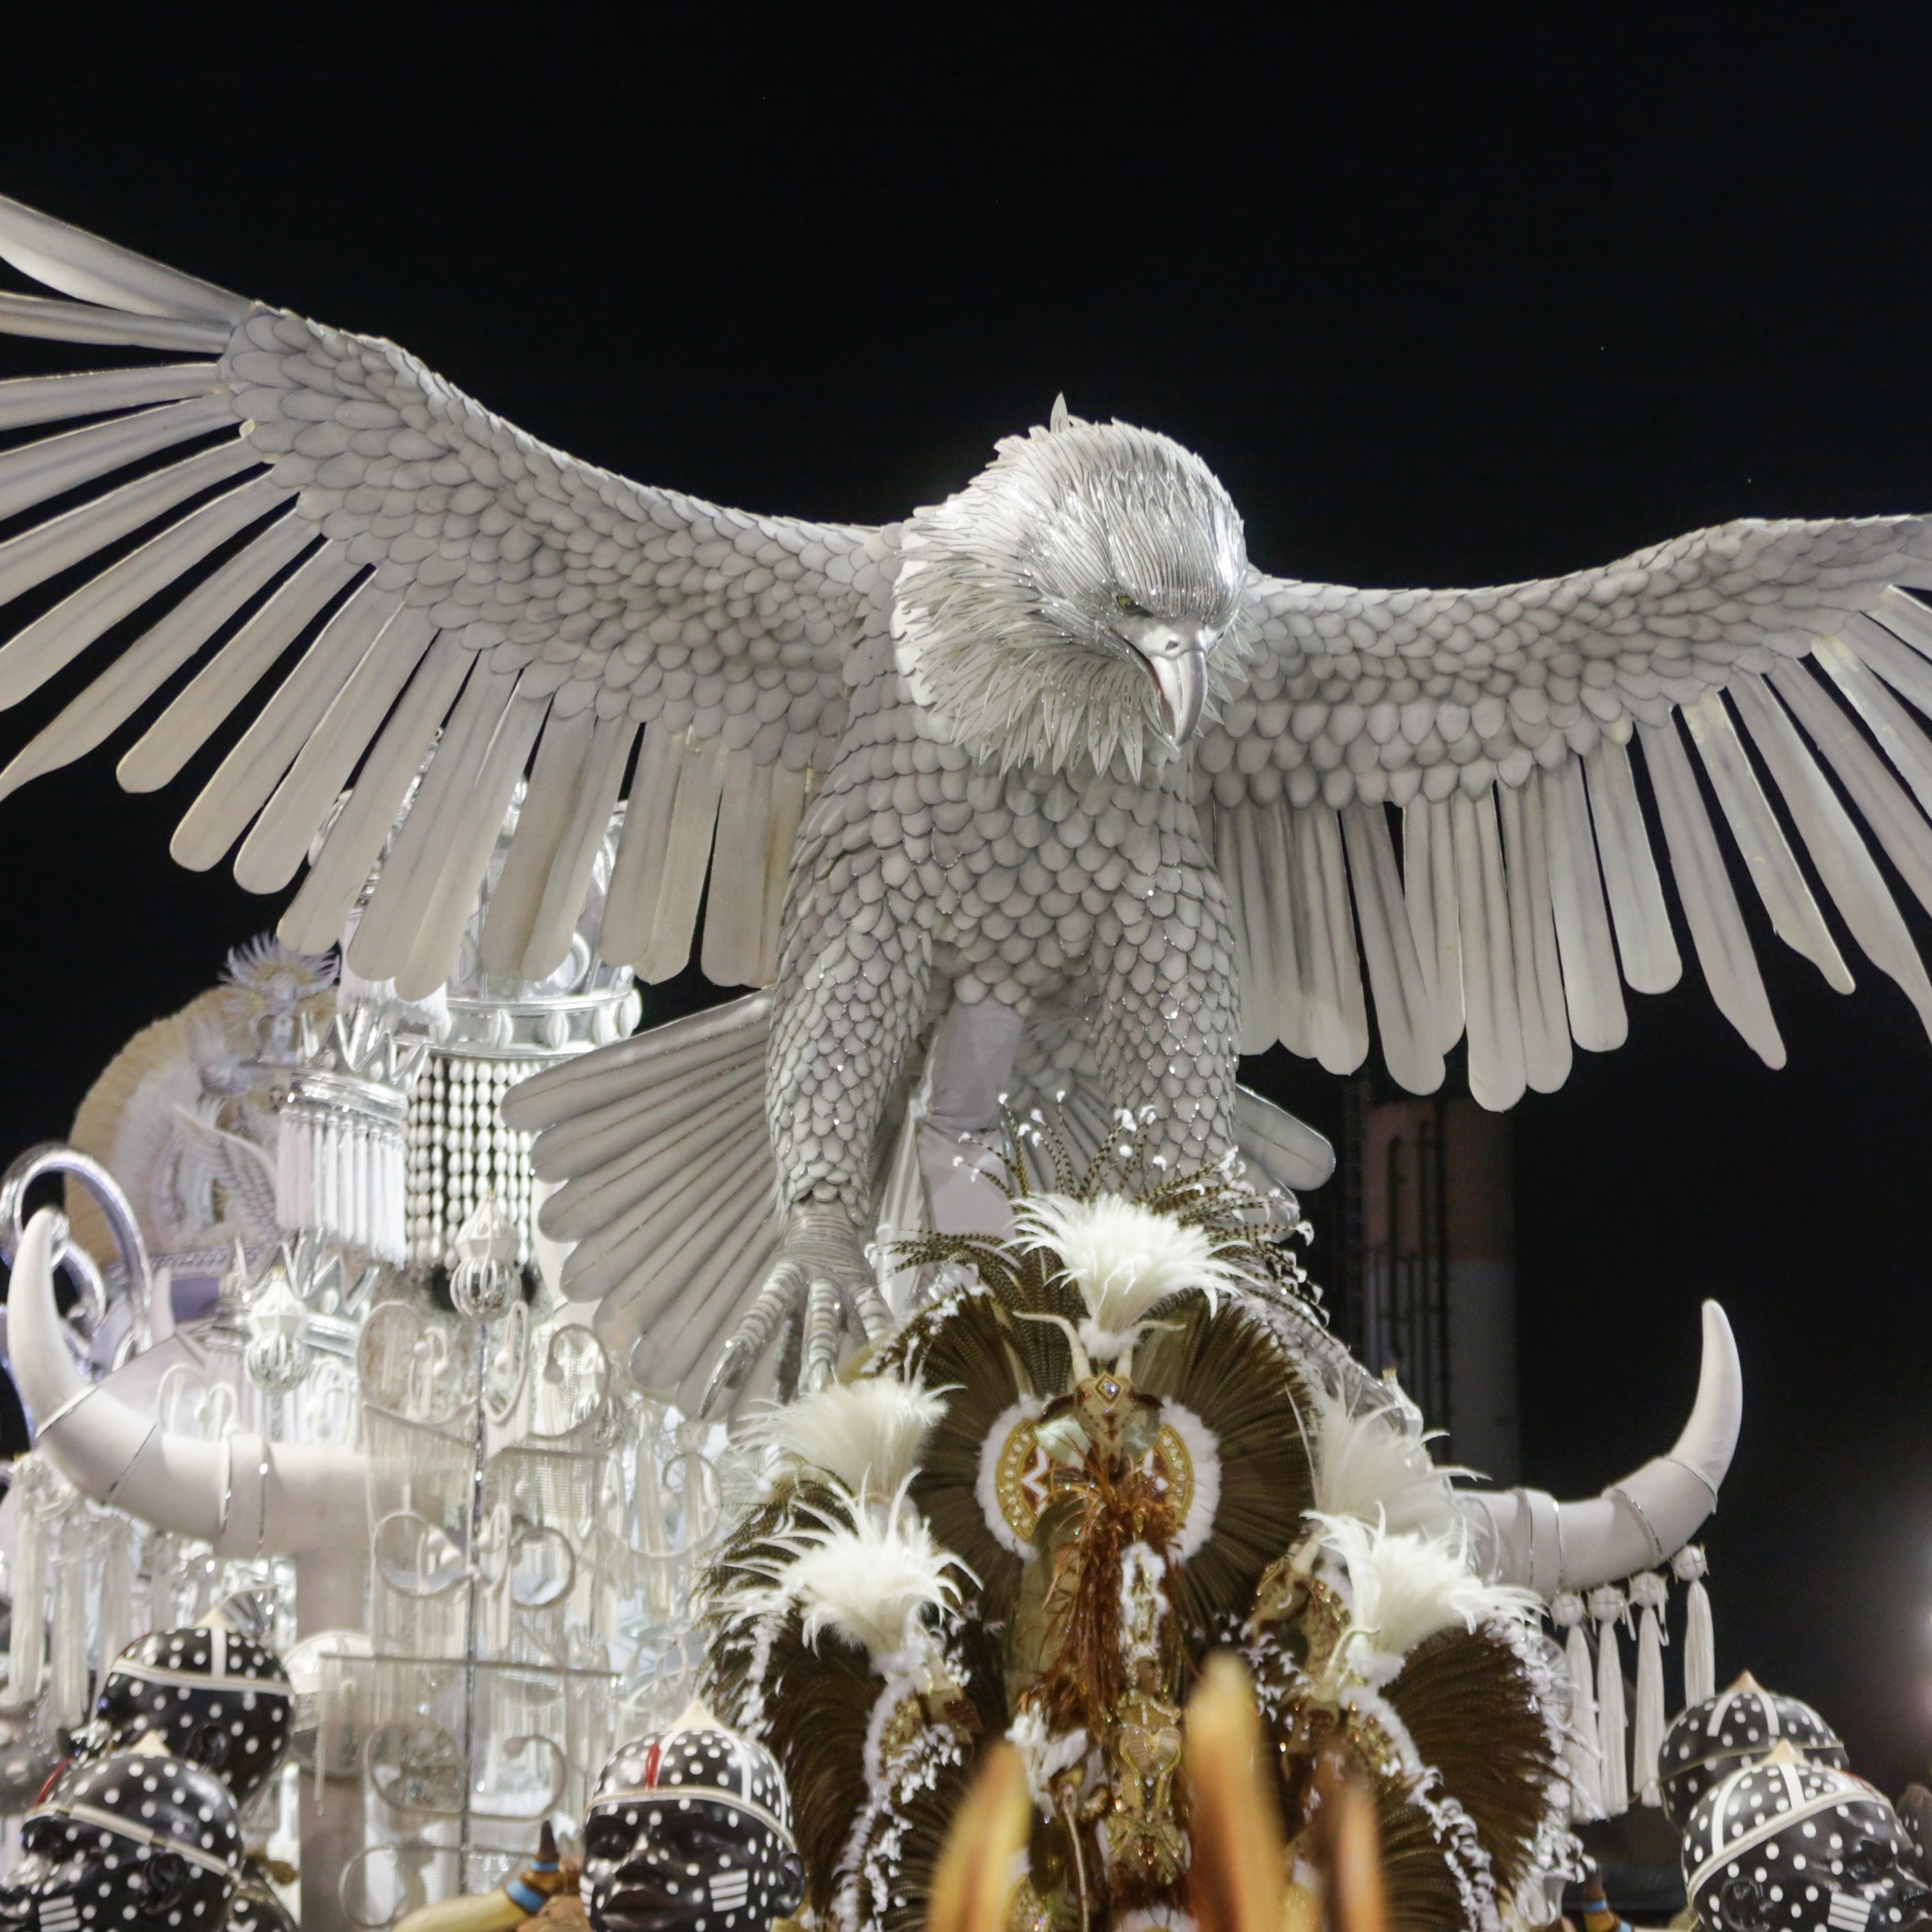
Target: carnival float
x=492, y=1463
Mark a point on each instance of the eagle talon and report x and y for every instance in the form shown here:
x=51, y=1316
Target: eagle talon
x=820, y=1276
x=734, y=1363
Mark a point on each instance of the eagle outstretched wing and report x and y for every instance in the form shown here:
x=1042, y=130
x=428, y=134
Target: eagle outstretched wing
x=245, y=1171
x=1506, y=724
x=313, y=516
x=389, y=573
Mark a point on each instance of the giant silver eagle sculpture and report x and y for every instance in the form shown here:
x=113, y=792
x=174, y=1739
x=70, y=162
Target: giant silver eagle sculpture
x=1045, y=790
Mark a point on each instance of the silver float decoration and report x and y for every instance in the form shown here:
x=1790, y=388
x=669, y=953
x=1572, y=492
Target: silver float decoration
x=340, y=1166
x=498, y=1030
x=471, y=1531
x=320, y=1164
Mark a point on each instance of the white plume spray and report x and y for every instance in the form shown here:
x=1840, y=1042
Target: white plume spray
x=1366, y=1466
x=1122, y=1258
x=868, y=1433
x=872, y=1583
x=1405, y=1585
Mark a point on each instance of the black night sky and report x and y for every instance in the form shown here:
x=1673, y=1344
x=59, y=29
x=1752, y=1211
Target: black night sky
x=1453, y=298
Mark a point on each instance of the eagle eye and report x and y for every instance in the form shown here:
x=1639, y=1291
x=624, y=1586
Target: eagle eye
x=1131, y=608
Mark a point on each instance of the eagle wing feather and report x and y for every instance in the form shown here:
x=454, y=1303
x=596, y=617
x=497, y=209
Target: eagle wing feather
x=1785, y=661
x=456, y=591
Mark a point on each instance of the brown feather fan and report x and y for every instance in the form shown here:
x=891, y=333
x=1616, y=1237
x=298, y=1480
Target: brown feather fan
x=810, y=1702
x=1020, y=1282
x=819, y=1703
x=1468, y=1701
x=743, y=1564
x=1418, y=1881
x=969, y=1354
x=813, y=1702
x=1230, y=1371
x=918, y=1824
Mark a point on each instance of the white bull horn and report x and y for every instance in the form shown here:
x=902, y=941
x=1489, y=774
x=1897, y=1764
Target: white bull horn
x=246, y=1495
x=1526, y=1536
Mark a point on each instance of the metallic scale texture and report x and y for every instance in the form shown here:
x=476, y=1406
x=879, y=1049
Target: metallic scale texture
x=1052, y=749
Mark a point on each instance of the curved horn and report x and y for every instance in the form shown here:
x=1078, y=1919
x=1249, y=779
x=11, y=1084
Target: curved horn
x=1526, y=1536
x=245, y=1494
x=152, y=1321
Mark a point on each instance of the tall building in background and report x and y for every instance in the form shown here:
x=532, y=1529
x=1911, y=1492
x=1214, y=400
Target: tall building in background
x=1428, y=1243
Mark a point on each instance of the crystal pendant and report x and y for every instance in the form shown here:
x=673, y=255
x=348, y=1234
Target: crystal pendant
x=485, y=1281
x=278, y=1355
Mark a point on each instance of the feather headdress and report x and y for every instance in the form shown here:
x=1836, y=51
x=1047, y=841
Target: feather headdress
x=1079, y=1527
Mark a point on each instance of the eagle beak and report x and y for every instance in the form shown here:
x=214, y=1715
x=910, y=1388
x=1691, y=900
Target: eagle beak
x=1176, y=658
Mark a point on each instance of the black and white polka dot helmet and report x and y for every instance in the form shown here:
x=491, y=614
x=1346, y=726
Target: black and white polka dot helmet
x=213, y=1696
x=255, y=1908
x=1710, y=1740
x=1783, y=1845
x=701, y=1757
x=691, y=1826
x=136, y=1840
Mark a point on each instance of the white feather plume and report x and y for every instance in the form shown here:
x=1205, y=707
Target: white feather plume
x=1405, y=1585
x=868, y=1433
x=1122, y=1258
x=872, y=1583
x=1366, y=1467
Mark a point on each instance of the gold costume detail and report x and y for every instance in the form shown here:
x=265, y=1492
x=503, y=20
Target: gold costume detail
x=1023, y=1475
x=1067, y=1489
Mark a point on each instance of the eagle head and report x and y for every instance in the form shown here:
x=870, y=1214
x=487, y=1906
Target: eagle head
x=1079, y=600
